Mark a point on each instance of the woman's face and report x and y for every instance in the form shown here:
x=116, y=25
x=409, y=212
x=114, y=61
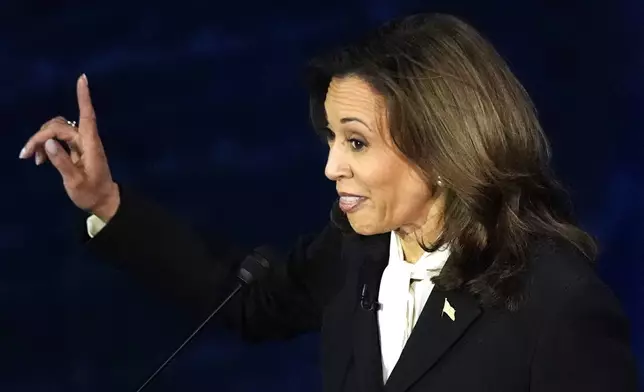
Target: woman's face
x=379, y=190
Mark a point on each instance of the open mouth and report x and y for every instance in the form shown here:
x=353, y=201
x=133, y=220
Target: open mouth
x=350, y=203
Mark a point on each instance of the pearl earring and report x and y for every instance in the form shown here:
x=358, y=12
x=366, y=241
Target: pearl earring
x=439, y=181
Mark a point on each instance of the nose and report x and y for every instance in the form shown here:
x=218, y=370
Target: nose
x=337, y=165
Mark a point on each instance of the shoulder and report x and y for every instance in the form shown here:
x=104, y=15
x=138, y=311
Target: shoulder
x=560, y=279
x=582, y=335
x=557, y=269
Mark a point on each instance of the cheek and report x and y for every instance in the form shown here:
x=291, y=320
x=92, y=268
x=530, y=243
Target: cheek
x=397, y=195
x=409, y=196
x=396, y=187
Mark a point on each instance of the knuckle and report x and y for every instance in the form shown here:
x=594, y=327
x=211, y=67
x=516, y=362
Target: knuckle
x=55, y=130
x=89, y=115
x=48, y=127
x=54, y=120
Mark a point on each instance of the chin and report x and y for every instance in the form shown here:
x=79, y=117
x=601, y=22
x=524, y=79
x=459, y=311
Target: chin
x=366, y=226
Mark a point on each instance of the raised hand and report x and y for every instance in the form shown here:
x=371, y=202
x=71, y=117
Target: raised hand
x=85, y=171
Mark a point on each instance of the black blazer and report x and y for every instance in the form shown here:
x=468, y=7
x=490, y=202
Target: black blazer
x=570, y=335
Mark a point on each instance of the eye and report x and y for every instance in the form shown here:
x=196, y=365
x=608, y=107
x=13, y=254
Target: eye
x=357, y=145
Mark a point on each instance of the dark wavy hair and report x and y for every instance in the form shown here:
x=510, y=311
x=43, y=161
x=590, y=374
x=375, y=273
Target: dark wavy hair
x=455, y=110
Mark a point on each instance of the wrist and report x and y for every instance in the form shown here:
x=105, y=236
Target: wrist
x=106, y=210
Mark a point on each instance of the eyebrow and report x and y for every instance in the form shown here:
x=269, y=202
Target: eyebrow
x=345, y=120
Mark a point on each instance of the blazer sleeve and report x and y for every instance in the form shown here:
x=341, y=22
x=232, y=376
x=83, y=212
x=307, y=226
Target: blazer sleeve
x=586, y=345
x=166, y=254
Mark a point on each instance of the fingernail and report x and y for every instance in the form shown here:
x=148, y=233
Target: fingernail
x=84, y=77
x=50, y=146
x=39, y=158
x=23, y=153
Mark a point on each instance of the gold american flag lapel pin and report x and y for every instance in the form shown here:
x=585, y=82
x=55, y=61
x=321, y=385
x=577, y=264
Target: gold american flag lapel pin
x=449, y=310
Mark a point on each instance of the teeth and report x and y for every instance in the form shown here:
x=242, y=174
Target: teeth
x=349, y=199
x=349, y=202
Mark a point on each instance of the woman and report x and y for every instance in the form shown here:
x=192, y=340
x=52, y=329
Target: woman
x=451, y=261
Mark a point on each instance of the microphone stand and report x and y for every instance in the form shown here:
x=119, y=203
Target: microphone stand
x=199, y=328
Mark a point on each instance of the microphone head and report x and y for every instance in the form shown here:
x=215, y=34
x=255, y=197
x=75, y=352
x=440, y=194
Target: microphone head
x=255, y=266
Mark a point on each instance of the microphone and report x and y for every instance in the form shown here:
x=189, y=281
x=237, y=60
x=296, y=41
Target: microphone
x=254, y=267
x=368, y=303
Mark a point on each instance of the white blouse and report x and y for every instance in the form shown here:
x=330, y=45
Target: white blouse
x=404, y=290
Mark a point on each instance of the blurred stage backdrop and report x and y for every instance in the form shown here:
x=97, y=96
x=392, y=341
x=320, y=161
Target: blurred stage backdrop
x=201, y=107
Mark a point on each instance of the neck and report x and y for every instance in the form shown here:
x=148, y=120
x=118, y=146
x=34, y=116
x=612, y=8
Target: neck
x=412, y=251
x=411, y=237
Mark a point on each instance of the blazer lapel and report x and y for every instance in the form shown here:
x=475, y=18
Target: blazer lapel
x=373, y=255
x=435, y=332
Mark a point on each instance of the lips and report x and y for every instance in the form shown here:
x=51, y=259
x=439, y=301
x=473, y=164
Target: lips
x=350, y=203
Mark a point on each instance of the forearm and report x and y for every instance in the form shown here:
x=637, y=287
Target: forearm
x=151, y=244
x=165, y=253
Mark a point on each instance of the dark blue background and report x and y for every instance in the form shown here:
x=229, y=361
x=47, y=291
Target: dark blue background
x=200, y=106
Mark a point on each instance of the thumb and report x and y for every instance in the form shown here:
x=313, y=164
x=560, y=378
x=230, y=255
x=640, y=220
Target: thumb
x=62, y=162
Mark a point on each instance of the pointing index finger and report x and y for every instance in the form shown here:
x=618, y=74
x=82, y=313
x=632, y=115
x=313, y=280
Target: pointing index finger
x=87, y=117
